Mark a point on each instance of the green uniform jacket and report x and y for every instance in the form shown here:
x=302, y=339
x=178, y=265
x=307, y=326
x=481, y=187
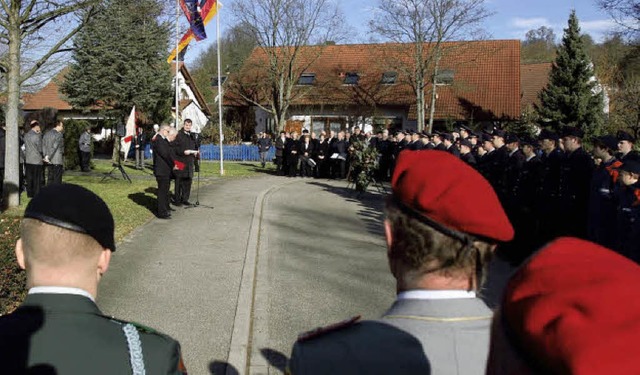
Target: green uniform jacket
x=67, y=334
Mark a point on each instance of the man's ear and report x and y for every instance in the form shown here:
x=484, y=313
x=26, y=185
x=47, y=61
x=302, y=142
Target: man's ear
x=20, y=254
x=388, y=233
x=103, y=262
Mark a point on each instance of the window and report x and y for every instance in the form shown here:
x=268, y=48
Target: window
x=389, y=78
x=351, y=78
x=307, y=79
x=445, y=77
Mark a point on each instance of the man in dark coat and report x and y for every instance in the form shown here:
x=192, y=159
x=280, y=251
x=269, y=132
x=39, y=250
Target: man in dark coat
x=601, y=225
x=500, y=163
x=465, y=152
x=449, y=144
x=306, y=149
x=59, y=329
x=575, y=178
x=626, y=146
x=549, y=186
x=34, y=155
x=282, y=139
x=291, y=152
x=186, y=151
x=264, y=145
x=339, y=156
x=163, y=167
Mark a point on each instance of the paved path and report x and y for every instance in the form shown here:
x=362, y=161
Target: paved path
x=237, y=283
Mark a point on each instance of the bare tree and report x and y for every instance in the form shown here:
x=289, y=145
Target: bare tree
x=283, y=29
x=427, y=25
x=625, y=12
x=23, y=23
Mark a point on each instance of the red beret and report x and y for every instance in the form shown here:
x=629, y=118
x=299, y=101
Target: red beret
x=574, y=308
x=444, y=189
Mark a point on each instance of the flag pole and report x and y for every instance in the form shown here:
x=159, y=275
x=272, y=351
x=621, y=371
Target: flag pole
x=177, y=86
x=220, y=92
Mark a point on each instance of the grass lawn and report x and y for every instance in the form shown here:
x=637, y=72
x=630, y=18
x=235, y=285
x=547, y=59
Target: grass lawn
x=131, y=204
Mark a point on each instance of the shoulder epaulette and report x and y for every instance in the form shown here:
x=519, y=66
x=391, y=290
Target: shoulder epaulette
x=140, y=327
x=320, y=331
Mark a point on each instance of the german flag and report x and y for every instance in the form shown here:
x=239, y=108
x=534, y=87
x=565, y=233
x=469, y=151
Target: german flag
x=198, y=14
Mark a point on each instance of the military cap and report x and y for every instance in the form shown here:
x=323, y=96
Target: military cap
x=574, y=308
x=511, y=138
x=486, y=137
x=631, y=166
x=548, y=134
x=473, y=134
x=464, y=127
x=572, y=131
x=528, y=141
x=625, y=136
x=447, y=136
x=74, y=208
x=450, y=196
x=499, y=133
x=465, y=142
x=34, y=123
x=607, y=141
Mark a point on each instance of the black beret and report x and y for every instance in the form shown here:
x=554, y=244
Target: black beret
x=548, y=134
x=511, y=138
x=624, y=136
x=74, y=208
x=608, y=141
x=631, y=166
x=572, y=131
x=499, y=133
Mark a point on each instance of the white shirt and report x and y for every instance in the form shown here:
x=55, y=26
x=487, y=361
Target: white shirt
x=60, y=290
x=435, y=294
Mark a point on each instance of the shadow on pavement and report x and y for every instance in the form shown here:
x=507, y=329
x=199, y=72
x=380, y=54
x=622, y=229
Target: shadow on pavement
x=222, y=368
x=147, y=201
x=275, y=358
x=258, y=169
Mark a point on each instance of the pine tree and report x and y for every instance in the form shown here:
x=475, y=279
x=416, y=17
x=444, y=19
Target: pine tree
x=119, y=61
x=573, y=97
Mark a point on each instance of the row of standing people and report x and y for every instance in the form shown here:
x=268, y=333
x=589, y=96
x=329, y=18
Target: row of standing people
x=43, y=152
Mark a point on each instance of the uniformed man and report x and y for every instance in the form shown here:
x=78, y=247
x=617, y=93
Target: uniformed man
x=53, y=149
x=527, y=200
x=628, y=218
x=601, y=225
x=486, y=163
x=549, y=187
x=437, y=253
x=449, y=143
x=512, y=171
x=65, y=246
x=33, y=159
x=186, y=150
x=575, y=177
x=464, y=131
x=625, y=146
x=437, y=142
x=500, y=163
x=465, y=152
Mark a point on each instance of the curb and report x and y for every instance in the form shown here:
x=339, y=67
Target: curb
x=241, y=336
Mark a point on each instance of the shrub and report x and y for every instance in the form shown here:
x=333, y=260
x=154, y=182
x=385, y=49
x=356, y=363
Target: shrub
x=12, y=278
x=72, y=131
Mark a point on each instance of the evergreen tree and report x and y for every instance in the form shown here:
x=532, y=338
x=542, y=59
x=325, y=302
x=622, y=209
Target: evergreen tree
x=119, y=60
x=573, y=97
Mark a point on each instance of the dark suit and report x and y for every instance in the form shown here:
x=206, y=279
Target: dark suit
x=306, y=151
x=575, y=179
x=163, y=163
x=184, y=141
x=340, y=147
x=280, y=154
x=601, y=226
x=67, y=334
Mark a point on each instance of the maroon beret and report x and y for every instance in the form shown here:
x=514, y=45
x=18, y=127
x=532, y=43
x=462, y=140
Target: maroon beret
x=446, y=191
x=574, y=308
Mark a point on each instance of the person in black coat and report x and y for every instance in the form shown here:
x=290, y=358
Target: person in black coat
x=291, y=152
x=526, y=199
x=306, y=150
x=575, y=178
x=513, y=169
x=385, y=150
x=322, y=155
x=280, y=152
x=549, y=186
x=450, y=147
x=465, y=152
x=163, y=167
x=625, y=146
x=601, y=225
x=339, y=156
x=186, y=152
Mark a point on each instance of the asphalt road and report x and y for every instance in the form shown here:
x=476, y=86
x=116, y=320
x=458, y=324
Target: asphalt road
x=263, y=259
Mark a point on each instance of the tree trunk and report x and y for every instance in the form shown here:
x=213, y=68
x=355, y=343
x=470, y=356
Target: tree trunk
x=434, y=92
x=420, y=105
x=12, y=154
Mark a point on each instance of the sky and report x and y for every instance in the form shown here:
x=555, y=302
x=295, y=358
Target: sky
x=511, y=19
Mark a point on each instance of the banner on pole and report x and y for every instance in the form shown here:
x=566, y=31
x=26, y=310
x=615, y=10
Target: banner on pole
x=130, y=132
x=201, y=15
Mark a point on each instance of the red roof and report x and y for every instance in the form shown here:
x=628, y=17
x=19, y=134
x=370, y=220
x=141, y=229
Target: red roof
x=533, y=78
x=486, y=78
x=48, y=97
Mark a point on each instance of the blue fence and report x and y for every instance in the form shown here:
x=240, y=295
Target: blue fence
x=234, y=153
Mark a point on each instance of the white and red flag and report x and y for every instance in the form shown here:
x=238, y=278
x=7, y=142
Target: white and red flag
x=130, y=132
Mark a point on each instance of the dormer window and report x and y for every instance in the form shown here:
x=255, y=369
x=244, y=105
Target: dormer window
x=389, y=78
x=351, y=78
x=445, y=77
x=307, y=79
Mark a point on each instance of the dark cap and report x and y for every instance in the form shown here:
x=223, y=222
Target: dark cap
x=528, y=141
x=34, y=123
x=511, y=138
x=473, y=134
x=625, y=136
x=74, y=208
x=548, y=134
x=499, y=133
x=607, y=141
x=631, y=166
x=572, y=131
x=465, y=142
x=447, y=136
x=465, y=127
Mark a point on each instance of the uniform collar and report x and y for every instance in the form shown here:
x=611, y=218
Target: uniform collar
x=65, y=303
x=435, y=294
x=60, y=290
